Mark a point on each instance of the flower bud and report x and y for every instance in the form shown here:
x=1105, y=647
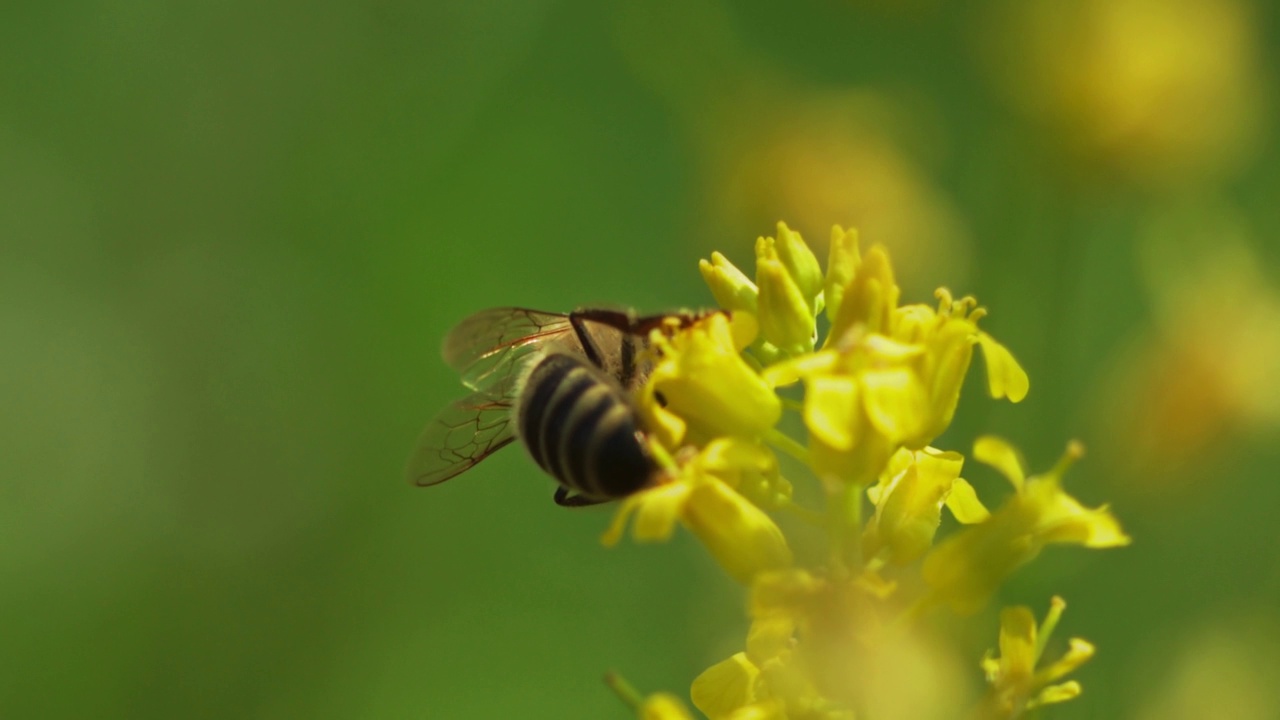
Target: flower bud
x=801, y=264
x=741, y=537
x=842, y=263
x=786, y=317
x=732, y=289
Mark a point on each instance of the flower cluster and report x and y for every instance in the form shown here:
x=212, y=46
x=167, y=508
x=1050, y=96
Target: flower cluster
x=832, y=618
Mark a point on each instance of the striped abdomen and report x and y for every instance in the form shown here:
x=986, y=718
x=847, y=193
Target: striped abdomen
x=580, y=427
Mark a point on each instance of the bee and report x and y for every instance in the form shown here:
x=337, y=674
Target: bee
x=562, y=385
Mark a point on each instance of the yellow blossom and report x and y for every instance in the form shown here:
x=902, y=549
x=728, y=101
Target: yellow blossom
x=742, y=537
x=1203, y=378
x=861, y=403
x=1114, y=80
x=909, y=499
x=701, y=387
x=1017, y=680
x=965, y=569
x=948, y=335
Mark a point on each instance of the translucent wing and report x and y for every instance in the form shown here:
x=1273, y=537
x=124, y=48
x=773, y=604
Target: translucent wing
x=462, y=435
x=487, y=347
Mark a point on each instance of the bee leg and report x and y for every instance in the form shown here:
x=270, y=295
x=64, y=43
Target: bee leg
x=564, y=499
x=577, y=320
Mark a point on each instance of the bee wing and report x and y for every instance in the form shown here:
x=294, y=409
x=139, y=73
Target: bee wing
x=486, y=348
x=462, y=435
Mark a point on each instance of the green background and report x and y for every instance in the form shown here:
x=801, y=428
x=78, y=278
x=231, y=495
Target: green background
x=234, y=234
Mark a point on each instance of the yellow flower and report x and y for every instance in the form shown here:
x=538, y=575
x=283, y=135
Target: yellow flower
x=861, y=403
x=1203, y=378
x=768, y=679
x=909, y=499
x=1016, y=685
x=741, y=537
x=948, y=335
x=702, y=388
x=737, y=689
x=1112, y=78
x=965, y=569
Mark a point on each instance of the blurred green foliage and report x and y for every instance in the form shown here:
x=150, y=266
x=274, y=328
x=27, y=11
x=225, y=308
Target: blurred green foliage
x=234, y=234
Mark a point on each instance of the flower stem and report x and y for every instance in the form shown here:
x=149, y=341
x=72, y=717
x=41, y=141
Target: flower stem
x=844, y=512
x=787, y=444
x=623, y=690
x=852, y=512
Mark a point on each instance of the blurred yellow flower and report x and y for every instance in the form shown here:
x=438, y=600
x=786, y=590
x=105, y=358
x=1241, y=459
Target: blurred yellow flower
x=859, y=155
x=1018, y=681
x=1205, y=375
x=775, y=676
x=1229, y=667
x=965, y=569
x=1163, y=92
x=771, y=146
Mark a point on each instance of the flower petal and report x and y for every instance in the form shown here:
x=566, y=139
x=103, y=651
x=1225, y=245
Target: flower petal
x=1005, y=377
x=831, y=409
x=725, y=686
x=895, y=402
x=964, y=504
x=658, y=510
x=1056, y=694
x=1078, y=653
x=1002, y=456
